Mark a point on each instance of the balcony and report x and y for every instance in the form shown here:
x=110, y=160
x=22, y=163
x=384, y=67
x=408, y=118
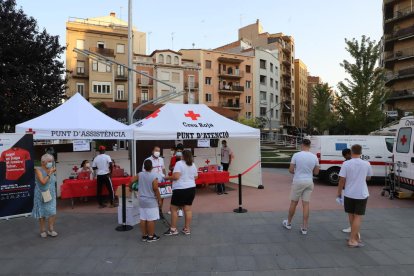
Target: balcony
x=232, y=75
x=286, y=49
x=80, y=73
x=287, y=87
x=103, y=51
x=142, y=82
x=121, y=77
x=406, y=73
x=233, y=60
x=191, y=85
x=400, y=34
x=231, y=89
x=231, y=105
x=286, y=110
x=263, y=102
x=286, y=62
x=399, y=15
x=392, y=56
x=401, y=95
x=286, y=75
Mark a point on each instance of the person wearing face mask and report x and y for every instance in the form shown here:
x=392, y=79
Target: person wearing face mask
x=177, y=155
x=85, y=172
x=102, y=164
x=226, y=158
x=158, y=168
x=44, y=199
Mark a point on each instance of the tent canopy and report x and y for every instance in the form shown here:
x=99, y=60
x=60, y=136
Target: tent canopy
x=188, y=122
x=75, y=119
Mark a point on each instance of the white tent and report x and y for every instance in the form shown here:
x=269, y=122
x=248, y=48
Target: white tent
x=197, y=121
x=75, y=119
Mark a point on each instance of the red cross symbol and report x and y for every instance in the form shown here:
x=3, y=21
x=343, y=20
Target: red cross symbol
x=207, y=161
x=75, y=168
x=403, y=140
x=30, y=131
x=153, y=115
x=192, y=115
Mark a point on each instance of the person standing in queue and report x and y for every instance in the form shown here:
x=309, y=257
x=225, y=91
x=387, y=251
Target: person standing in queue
x=346, y=153
x=184, y=188
x=102, y=164
x=157, y=168
x=176, y=156
x=226, y=158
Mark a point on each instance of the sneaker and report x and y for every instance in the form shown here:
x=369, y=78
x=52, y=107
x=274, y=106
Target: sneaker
x=144, y=238
x=153, y=238
x=52, y=233
x=171, y=232
x=43, y=235
x=286, y=225
x=185, y=231
x=304, y=231
x=347, y=230
x=180, y=213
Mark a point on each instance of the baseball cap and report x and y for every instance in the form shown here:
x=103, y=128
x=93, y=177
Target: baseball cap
x=102, y=148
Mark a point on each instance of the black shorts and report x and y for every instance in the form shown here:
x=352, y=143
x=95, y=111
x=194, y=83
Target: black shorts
x=355, y=206
x=181, y=197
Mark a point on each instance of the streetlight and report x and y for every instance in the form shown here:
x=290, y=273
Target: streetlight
x=270, y=109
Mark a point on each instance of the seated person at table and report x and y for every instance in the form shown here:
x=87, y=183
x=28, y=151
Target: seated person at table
x=85, y=172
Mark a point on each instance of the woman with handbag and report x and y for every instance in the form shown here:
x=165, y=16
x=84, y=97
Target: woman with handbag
x=44, y=204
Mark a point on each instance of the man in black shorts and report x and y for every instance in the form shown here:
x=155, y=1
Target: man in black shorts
x=354, y=175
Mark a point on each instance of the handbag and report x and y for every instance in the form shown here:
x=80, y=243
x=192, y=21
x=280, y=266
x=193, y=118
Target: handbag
x=47, y=196
x=165, y=189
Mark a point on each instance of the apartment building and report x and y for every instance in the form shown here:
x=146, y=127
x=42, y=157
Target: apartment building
x=169, y=67
x=398, y=53
x=312, y=82
x=285, y=46
x=301, y=94
x=107, y=36
x=226, y=79
x=266, y=93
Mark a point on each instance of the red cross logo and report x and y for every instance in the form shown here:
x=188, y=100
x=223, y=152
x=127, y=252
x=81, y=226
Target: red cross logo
x=403, y=140
x=207, y=161
x=192, y=115
x=30, y=131
x=75, y=168
x=153, y=115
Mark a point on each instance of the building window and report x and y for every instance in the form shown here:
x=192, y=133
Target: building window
x=248, y=84
x=262, y=80
x=271, y=67
x=175, y=77
x=209, y=98
x=161, y=58
x=271, y=113
x=248, y=115
x=80, y=88
x=271, y=82
x=101, y=87
x=165, y=76
x=276, y=84
x=248, y=99
x=80, y=44
x=191, y=82
x=208, y=80
x=262, y=96
x=277, y=114
x=271, y=98
x=144, y=96
x=262, y=64
x=100, y=67
x=100, y=44
x=263, y=111
x=120, y=48
x=120, y=92
x=276, y=70
x=168, y=59
x=208, y=64
x=80, y=67
x=120, y=71
x=248, y=69
x=176, y=60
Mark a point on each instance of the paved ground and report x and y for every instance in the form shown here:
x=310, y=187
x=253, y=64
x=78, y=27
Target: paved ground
x=222, y=243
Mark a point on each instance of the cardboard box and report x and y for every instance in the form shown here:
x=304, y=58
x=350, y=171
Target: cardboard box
x=132, y=215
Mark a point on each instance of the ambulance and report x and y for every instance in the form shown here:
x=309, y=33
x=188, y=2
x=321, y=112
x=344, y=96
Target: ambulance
x=404, y=153
x=377, y=150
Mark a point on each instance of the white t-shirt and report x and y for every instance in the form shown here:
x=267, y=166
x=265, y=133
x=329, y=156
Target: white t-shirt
x=101, y=162
x=226, y=154
x=187, y=175
x=356, y=171
x=157, y=165
x=304, y=162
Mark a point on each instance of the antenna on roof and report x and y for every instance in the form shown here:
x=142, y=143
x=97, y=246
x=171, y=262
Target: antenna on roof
x=193, y=45
x=149, y=42
x=172, y=41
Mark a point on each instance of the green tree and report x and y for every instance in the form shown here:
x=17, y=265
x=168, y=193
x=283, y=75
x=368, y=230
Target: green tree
x=321, y=116
x=362, y=94
x=254, y=122
x=31, y=81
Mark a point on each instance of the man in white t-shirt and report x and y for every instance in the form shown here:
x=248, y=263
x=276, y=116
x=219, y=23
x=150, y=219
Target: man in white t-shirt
x=102, y=165
x=354, y=175
x=158, y=168
x=303, y=166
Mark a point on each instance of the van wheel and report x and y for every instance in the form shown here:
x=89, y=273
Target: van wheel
x=333, y=176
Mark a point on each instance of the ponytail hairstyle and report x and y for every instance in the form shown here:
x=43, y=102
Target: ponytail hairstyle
x=188, y=157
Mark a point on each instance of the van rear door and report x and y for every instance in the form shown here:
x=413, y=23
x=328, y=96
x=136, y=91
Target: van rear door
x=403, y=154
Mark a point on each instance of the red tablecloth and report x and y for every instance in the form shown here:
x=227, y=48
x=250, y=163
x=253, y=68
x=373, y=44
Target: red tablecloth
x=79, y=188
x=212, y=177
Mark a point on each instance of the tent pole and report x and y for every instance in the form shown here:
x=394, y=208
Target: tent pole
x=130, y=87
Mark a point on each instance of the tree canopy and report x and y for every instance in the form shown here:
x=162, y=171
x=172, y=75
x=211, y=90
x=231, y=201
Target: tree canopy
x=321, y=116
x=362, y=95
x=31, y=74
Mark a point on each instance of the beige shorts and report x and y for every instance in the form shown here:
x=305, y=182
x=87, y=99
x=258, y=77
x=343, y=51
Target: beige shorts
x=301, y=190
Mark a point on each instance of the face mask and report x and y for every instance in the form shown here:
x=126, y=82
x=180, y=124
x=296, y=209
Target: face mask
x=223, y=145
x=179, y=154
x=87, y=165
x=49, y=165
x=156, y=154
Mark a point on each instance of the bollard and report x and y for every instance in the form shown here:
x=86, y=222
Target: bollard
x=240, y=209
x=124, y=227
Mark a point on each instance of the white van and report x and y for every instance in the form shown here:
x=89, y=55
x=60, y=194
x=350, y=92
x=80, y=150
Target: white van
x=404, y=153
x=375, y=149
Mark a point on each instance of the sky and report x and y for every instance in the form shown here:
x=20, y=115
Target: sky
x=319, y=27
